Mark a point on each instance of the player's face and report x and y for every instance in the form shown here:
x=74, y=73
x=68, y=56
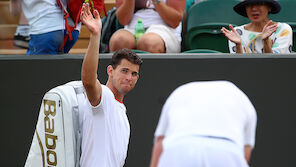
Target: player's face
x=125, y=76
x=257, y=12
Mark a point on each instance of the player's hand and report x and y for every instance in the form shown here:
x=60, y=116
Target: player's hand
x=94, y=24
x=232, y=35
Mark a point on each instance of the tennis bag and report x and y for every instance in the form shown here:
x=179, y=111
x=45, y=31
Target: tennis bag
x=57, y=138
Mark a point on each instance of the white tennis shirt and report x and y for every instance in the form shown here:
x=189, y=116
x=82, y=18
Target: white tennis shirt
x=105, y=131
x=214, y=108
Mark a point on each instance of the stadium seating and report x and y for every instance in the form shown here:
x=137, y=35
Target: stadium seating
x=204, y=22
x=287, y=15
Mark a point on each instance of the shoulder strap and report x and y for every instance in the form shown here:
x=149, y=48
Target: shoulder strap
x=69, y=23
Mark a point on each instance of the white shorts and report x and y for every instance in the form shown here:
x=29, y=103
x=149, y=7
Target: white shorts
x=201, y=152
x=167, y=34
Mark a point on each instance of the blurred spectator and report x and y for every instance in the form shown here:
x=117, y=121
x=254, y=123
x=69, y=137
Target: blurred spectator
x=261, y=35
x=21, y=36
x=47, y=27
x=161, y=18
x=205, y=124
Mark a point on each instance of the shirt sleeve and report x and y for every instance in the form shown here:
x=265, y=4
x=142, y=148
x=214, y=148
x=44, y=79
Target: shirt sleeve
x=106, y=94
x=283, y=39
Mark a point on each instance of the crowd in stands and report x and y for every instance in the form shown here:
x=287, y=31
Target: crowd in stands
x=163, y=21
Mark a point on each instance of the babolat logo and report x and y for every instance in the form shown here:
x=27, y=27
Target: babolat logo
x=50, y=138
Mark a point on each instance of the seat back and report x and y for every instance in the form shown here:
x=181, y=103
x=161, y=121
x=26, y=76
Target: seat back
x=205, y=20
x=201, y=51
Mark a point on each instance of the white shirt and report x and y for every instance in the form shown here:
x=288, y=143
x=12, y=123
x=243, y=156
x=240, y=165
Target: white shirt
x=281, y=40
x=44, y=16
x=105, y=131
x=215, y=108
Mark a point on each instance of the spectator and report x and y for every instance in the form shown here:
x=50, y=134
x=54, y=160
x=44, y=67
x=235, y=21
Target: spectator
x=262, y=35
x=47, y=27
x=162, y=20
x=205, y=124
x=21, y=36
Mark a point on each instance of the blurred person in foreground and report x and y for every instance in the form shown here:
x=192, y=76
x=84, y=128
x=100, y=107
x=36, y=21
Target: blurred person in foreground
x=262, y=35
x=205, y=124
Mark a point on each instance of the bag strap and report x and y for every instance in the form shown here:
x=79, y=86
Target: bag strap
x=68, y=28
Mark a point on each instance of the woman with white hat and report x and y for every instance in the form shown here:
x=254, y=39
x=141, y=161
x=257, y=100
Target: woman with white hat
x=262, y=35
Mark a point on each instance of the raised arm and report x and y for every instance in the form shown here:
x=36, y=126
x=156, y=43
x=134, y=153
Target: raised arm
x=90, y=63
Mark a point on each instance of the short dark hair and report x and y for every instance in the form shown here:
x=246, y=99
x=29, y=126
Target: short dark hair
x=125, y=54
